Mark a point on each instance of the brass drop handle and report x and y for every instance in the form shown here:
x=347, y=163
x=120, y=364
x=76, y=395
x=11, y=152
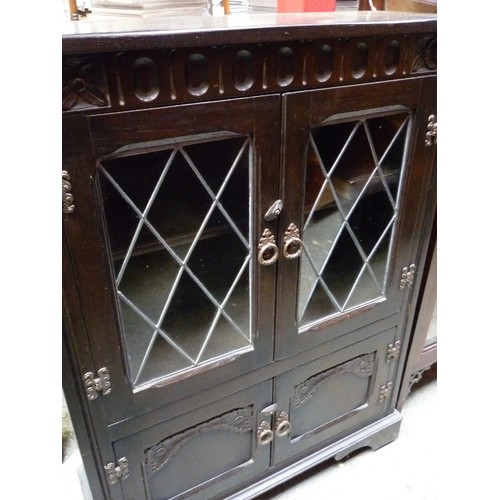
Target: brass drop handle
x=283, y=425
x=268, y=251
x=264, y=433
x=292, y=247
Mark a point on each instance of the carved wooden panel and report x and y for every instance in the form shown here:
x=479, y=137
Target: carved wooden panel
x=138, y=79
x=194, y=461
x=362, y=367
x=158, y=456
x=336, y=394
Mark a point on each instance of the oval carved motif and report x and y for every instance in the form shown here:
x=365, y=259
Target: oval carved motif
x=392, y=56
x=324, y=63
x=243, y=70
x=146, y=79
x=359, y=59
x=285, y=66
x=197, y=74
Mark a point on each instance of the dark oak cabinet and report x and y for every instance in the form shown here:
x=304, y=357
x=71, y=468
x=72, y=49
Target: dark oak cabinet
x=173, y=225
x=242, y=213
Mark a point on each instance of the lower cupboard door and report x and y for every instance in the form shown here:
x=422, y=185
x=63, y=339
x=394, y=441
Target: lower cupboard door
x=329, y=398
x=201, y=454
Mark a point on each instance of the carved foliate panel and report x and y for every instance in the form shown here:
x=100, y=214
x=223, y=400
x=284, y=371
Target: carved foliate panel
x=425, y=57
x=361, y=366
x=158, y=456
x=84, y=84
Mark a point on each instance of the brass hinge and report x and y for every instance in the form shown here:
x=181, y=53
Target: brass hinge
x=385, y=392
x=115, y=474
x=431, y=137
x=407, y=276
x=393, y=350
x=95, y=385
x=67, y=197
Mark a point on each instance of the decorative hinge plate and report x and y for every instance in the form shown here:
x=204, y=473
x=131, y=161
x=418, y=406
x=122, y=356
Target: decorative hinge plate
x=407, y=276
x=115, y=474
x=67, y=197
x=393, y=350
x=385, y=392
x=431, y=137
x=94, y=385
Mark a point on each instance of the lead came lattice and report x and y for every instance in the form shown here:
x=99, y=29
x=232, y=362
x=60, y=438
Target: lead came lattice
x=351, y=207
x=184, y=292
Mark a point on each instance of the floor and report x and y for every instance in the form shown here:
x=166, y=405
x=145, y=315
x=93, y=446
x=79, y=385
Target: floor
x=394, y=472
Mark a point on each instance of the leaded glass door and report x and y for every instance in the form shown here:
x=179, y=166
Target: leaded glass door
x=181, y=204
x=349, y=167
x=181, y=252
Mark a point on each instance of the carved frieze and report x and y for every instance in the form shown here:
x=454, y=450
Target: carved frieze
x=164, y=77
x=361, y=366
x=239, y=421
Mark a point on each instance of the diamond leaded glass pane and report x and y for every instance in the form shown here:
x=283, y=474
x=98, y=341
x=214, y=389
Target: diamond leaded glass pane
x=351, y=206
x=178, y=224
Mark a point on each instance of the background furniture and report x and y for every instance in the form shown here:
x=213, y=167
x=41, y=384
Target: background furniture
x=243, y=217
x=423, y=6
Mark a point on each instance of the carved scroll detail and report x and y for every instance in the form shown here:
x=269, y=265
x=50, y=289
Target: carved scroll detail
x=239, y=421
x=361, y=366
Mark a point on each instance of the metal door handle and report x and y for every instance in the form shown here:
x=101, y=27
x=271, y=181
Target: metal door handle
x=292, y=247
x=283, y=425
x=264, y=433
x=268, y=251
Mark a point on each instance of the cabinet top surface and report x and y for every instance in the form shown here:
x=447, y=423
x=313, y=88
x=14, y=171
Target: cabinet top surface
x=105, y=35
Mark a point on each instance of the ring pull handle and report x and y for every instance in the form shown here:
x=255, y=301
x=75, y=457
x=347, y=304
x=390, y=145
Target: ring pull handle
x=283, y=425
x=292, y=247
x=264, y=433
x=268, y=251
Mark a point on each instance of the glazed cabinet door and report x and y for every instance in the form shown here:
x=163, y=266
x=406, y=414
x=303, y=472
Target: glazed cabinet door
x=355, y=166
x=325, y=400
x=202, y=454
x=173, y=255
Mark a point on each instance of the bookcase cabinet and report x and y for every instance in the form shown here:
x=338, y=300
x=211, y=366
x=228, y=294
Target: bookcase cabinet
x=243, y=207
